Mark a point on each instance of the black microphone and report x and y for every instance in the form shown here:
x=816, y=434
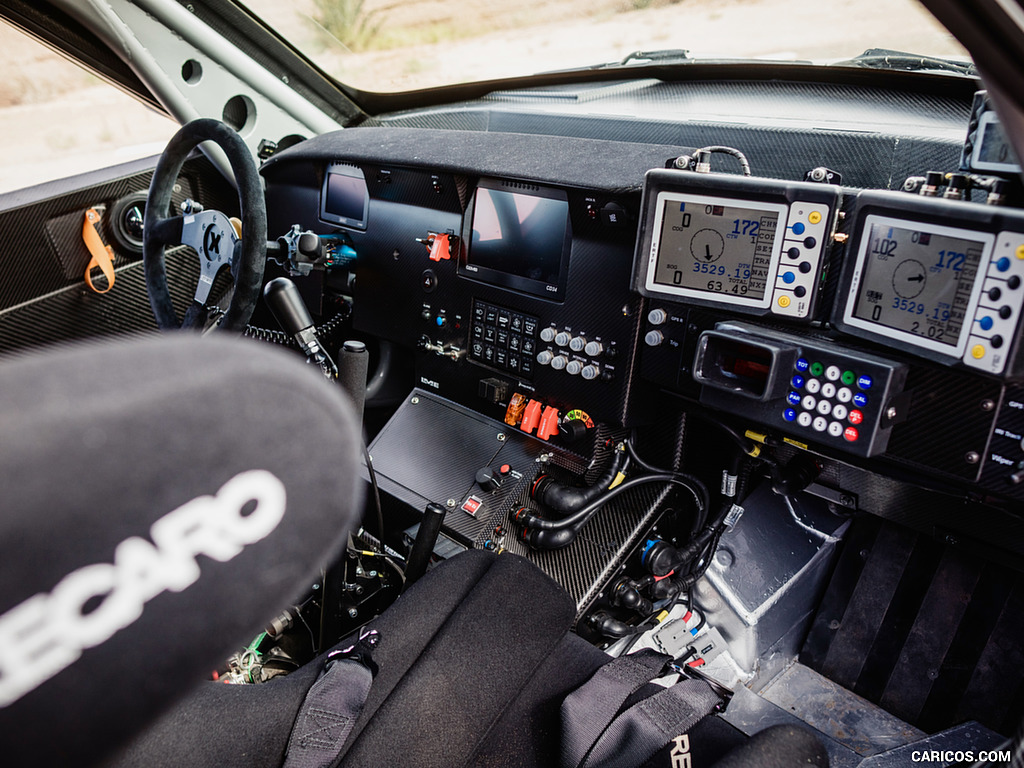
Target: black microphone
x=285, y=302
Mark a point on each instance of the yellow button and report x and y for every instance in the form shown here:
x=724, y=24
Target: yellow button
x=1020, y=251
x=784, y=301
x=977, y=351
x=814, y=218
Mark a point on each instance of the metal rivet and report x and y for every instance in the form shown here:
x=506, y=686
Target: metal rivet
x=501, y=437
x=415, y=401
x=987, y=405
x=972, y=457
x=890, y=413
x=450, y=502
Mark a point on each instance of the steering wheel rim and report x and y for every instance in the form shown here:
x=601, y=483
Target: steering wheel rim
x=207, y=232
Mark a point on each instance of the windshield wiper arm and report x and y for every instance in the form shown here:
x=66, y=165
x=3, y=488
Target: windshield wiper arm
x=666, y=56
x=883, y=58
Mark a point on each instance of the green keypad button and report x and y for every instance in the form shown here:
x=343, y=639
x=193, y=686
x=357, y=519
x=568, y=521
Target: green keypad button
x=849, y=377
x=816, y=369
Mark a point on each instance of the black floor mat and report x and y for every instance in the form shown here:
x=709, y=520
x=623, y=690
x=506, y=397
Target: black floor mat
x=929, y=633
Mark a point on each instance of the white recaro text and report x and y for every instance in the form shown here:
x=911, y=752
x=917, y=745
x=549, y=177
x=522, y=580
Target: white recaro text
x=48, y=632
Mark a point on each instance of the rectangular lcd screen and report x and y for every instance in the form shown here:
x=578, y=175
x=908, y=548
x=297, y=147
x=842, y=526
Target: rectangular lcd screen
x=345, y=198
x=520, y=240
x=718, y=246
x=917, y=281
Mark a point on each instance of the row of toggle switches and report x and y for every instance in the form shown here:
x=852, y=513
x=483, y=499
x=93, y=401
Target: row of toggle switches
x=531, y=415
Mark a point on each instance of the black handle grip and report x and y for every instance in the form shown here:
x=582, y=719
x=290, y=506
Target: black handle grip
x=287, y=305
x=423, y=547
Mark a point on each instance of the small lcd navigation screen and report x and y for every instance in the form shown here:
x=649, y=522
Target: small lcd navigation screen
x=722, y=249
x=917, y=281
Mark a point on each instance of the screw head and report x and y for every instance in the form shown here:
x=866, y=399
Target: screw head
x=415, y=401
x=972, y=457
x=352, y=612
x=450, y=502
x=502, y=437
x=987, y=404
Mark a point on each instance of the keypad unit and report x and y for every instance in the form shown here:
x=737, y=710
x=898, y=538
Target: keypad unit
x=828, y=399
x=503, y=339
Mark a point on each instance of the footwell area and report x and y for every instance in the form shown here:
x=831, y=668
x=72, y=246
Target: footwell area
x=922, y=629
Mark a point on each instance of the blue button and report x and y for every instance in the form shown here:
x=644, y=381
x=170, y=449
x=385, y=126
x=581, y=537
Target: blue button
x=789, y=414
x=986, y=323
x=864, y=382
x=802, y=365
x=788, y=277
x=798, y=228
x=1003, y=264
x=860, y=400
x=439, y=320
x=797, y=382
x=793, y=397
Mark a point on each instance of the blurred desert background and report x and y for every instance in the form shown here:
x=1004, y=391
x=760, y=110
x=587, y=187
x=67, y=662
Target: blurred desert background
x=58, y=120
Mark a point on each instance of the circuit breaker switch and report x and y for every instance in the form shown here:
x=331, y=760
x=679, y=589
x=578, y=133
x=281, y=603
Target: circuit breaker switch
x=514, y=412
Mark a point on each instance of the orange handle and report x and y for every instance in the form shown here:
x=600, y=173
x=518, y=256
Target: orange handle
x=102, y=255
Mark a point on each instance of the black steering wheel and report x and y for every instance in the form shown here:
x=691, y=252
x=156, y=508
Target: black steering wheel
x=210, y=233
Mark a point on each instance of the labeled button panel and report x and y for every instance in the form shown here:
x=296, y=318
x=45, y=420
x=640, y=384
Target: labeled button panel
x=503, y=339
x=800, y=265
x=998, y=314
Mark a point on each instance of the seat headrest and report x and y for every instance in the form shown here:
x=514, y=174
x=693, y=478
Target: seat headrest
x=162, y=498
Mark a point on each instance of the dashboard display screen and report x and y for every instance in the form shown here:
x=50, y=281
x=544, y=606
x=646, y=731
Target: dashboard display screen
x=520, y=239
x=917, y=281
x=717, y=246
x=345, y=199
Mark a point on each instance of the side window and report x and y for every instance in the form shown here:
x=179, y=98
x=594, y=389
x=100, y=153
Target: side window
x=58, y=120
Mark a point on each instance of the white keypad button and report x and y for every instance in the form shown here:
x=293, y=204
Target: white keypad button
x=813, y=386
x=844, y=395
x=804, y=419
x=832, y=373
x=820, y=424
x=839, y=412
x=829, y=390
x=835, y=428
x=808, y=403
x=824, y=407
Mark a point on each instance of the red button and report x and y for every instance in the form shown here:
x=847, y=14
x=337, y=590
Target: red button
x=471, y=505
x=855, y=417
x=504, y=469
x=851, y=434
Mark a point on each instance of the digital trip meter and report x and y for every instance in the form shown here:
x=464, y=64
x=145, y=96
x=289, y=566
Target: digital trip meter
x=942, y=277
x=754, y=245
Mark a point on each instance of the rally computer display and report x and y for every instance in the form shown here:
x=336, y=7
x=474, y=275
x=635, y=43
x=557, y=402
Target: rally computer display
x=938, y=278
x=750, y=245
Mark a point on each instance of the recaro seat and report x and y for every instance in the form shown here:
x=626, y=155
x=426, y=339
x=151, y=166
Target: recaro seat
x=235, y=467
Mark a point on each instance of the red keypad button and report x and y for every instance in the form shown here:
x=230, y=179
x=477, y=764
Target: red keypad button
x=856, y=417
x=851, y=434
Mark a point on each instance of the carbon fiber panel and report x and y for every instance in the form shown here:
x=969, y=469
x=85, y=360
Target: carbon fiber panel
x=75, y=312
x=875, y=138
x=43, y=297
x=428, y=425
x=950, y=420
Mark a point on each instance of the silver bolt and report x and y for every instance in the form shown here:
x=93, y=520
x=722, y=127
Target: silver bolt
x=450, y=502
x=415, y=401
x=352, y=612
x=501, y=437
x=972, y=457
x=890, y=413
x=987, y=405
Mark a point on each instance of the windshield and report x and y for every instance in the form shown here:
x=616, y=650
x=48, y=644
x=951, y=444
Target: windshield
x=396, y=45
